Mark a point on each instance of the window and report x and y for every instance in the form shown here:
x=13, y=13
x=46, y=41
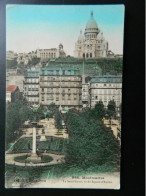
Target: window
x=42, y=98
x=42, y=89
x=57, y=98
x=69, y=90
x=63, y=72
x=104, y=84
x=96, y=97
x=69, y=97
x=63, y=97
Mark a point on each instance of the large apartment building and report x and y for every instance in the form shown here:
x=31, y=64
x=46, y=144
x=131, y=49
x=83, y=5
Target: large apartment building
x=62, y=86
x=67, y=88
x=31, y=86
x=106, y=88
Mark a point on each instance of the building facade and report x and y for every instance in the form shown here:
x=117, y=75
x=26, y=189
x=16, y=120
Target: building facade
x=106, y=88
x=92, y=43
x=62, y=86
x=67, y=88
x=51, y=53
x=25, y=58
x=31, y=86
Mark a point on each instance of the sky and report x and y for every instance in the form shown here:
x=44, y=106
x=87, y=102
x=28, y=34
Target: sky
x=31, y=27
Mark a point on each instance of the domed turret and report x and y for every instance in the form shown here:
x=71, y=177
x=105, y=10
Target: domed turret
x=100, y=36
x=81, y=37
x=91, y=23
x=91, y=27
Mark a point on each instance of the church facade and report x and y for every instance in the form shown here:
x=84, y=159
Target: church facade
x=92, y=43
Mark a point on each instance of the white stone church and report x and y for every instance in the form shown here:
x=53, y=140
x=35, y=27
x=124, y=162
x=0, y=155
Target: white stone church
x=92, y=43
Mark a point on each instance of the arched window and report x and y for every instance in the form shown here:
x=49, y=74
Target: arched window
x=83, y=55
x=90, y=55
x=87, y=55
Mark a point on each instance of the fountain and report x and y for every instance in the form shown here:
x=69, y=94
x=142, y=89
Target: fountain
x=32, y=159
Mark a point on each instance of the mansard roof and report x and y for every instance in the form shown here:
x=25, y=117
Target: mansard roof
x=107, y=79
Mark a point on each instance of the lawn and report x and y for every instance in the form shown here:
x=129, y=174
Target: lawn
x=52, y=145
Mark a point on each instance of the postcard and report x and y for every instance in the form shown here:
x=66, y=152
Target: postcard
x=63, y=96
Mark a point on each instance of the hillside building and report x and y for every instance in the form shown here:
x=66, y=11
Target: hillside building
x=92, y=43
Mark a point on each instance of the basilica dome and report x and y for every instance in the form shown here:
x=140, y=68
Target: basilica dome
x=91, y=24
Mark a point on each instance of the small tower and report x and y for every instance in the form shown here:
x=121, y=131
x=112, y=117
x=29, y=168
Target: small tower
x=60, y=46
x=92, y=14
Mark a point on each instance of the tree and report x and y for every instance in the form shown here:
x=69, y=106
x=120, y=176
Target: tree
x=52, y=108
x=111, y=109
x=98, y=111
x=90, y=142
x=11, y=64
x=35, y=60
x=17, y=113
x=58, y=119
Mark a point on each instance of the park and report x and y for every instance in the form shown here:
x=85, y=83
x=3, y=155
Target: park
x=50, y=144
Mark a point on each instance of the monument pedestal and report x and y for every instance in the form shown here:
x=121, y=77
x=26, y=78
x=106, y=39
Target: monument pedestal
x=34, y=157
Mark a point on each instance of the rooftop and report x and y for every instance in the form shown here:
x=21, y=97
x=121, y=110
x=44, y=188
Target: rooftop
x=11, y=88
x=107, y=79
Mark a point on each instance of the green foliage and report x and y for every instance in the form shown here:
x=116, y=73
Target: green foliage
x=43, y=112
x=92, y=66
x=98, y=112
x=58, y=119
x=52, y=145
x=111, y=109
x=35, y=60
x=90, y=142
x=17, y=114
x=11, y=64
x=25, y=158
x=52, y=108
